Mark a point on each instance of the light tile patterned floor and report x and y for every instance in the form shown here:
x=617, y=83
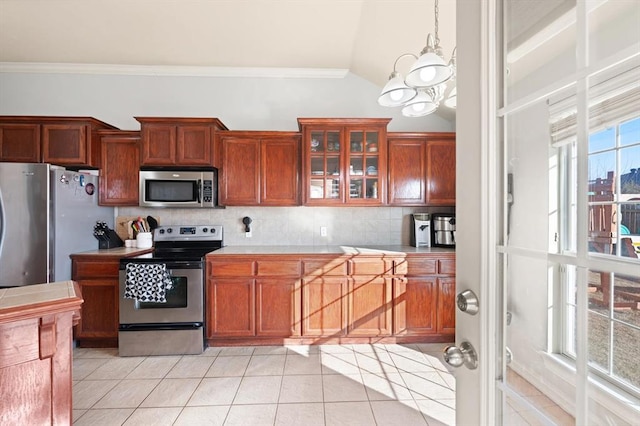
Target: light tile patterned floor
x=265, y=385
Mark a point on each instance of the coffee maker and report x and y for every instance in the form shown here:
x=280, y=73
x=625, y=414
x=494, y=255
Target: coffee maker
x=421, y=230
x=444, y=229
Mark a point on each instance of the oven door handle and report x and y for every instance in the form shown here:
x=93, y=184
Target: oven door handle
x=161, y=326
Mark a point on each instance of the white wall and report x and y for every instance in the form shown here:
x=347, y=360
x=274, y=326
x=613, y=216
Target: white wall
x=241, y=104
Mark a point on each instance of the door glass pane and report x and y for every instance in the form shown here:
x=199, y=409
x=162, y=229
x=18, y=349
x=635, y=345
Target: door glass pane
x=317, y=141
x=363, y=165
x=355, y=188
x=356, y=141
x=614, y=161
x=614, y=327
x=324, y=182
x=612, y=27
x=540, y=44
x=538, y=149
x=530, y=285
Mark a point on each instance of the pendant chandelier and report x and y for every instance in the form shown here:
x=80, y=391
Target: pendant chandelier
x=425, y=87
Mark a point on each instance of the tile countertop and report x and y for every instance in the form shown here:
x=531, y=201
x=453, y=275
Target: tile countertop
x=343, y=249
x=16, y=301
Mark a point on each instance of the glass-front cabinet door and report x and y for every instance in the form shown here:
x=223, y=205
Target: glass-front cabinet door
x=345, y=161
x=325, y=165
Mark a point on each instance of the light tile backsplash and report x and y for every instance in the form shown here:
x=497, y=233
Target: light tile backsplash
x=287, y=226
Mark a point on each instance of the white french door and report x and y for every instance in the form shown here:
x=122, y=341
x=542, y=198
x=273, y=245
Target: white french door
x=545, y=122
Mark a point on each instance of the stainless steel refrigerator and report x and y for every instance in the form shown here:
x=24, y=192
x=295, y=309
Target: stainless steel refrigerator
x=46, y=214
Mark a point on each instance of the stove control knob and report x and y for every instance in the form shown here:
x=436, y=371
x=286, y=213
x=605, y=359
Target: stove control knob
x=205, y=230
x=161, y=231
x=213, y=230
x=169, y=230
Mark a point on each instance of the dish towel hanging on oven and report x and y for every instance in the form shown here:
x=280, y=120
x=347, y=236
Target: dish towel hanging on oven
x=147, y=282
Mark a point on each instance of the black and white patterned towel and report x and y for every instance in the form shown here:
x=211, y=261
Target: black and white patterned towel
x=147, y=282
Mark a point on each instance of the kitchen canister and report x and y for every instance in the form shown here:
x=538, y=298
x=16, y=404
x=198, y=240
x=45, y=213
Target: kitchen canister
x=143, y=240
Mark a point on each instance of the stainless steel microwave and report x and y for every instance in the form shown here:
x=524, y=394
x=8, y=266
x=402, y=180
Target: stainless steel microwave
x=183, y=188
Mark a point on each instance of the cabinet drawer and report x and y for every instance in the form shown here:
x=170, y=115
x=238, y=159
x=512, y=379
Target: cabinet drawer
x=279, y=268
x=369, y=267
x=230, y=268
x=419, y=267
x=447, y=266
x=328, y=267
x=397, y=266
x=90, y=270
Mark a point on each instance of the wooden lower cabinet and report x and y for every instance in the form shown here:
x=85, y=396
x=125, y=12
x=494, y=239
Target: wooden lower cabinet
x=253, y=298
x=273, y=299
x=99, y=318
x=98, y=281
x=447, y=305
x=369, y=306
x=97, y=274
x=231, y=310
x=324, y=306
x=424, y=300
x=278, y=307
x=415, y=304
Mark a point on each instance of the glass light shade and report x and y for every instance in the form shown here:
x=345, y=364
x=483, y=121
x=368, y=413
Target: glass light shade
x=452, y=99
x=429, y=70
x=419, y=106
x=396, y=93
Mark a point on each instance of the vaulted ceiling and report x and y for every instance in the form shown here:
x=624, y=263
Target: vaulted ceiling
x=361, y=36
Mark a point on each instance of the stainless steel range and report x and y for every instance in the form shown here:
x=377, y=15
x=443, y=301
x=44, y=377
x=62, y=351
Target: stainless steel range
x=169, y=320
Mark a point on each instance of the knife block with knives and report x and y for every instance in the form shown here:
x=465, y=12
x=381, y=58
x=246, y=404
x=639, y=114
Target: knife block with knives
x=107, y=237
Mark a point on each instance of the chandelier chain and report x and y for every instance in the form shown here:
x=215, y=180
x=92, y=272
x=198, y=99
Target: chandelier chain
x=437, y=9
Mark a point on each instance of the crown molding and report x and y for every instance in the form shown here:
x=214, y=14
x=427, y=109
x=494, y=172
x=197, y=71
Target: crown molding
x=170, y=70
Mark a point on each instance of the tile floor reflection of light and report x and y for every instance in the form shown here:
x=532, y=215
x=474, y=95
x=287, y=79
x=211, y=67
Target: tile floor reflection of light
x=271, y=385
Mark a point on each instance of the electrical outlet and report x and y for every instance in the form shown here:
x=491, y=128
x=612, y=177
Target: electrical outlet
x=323, y=231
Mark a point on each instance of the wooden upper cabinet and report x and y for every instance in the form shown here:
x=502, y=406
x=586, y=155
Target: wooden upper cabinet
x=65, y=141
x=280, y=171
x=239, y=184
x=345, y=161
x=168, y=141
x=194, y=145
x=441, y=172
x=119, y=169
x=259, y=168
x=20, y=142
x=158, y=144
x=422, y=169
x=407, y=169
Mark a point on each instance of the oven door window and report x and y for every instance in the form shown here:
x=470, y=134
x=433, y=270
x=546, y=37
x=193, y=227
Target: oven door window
x=171, y=190
x=176, y=296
